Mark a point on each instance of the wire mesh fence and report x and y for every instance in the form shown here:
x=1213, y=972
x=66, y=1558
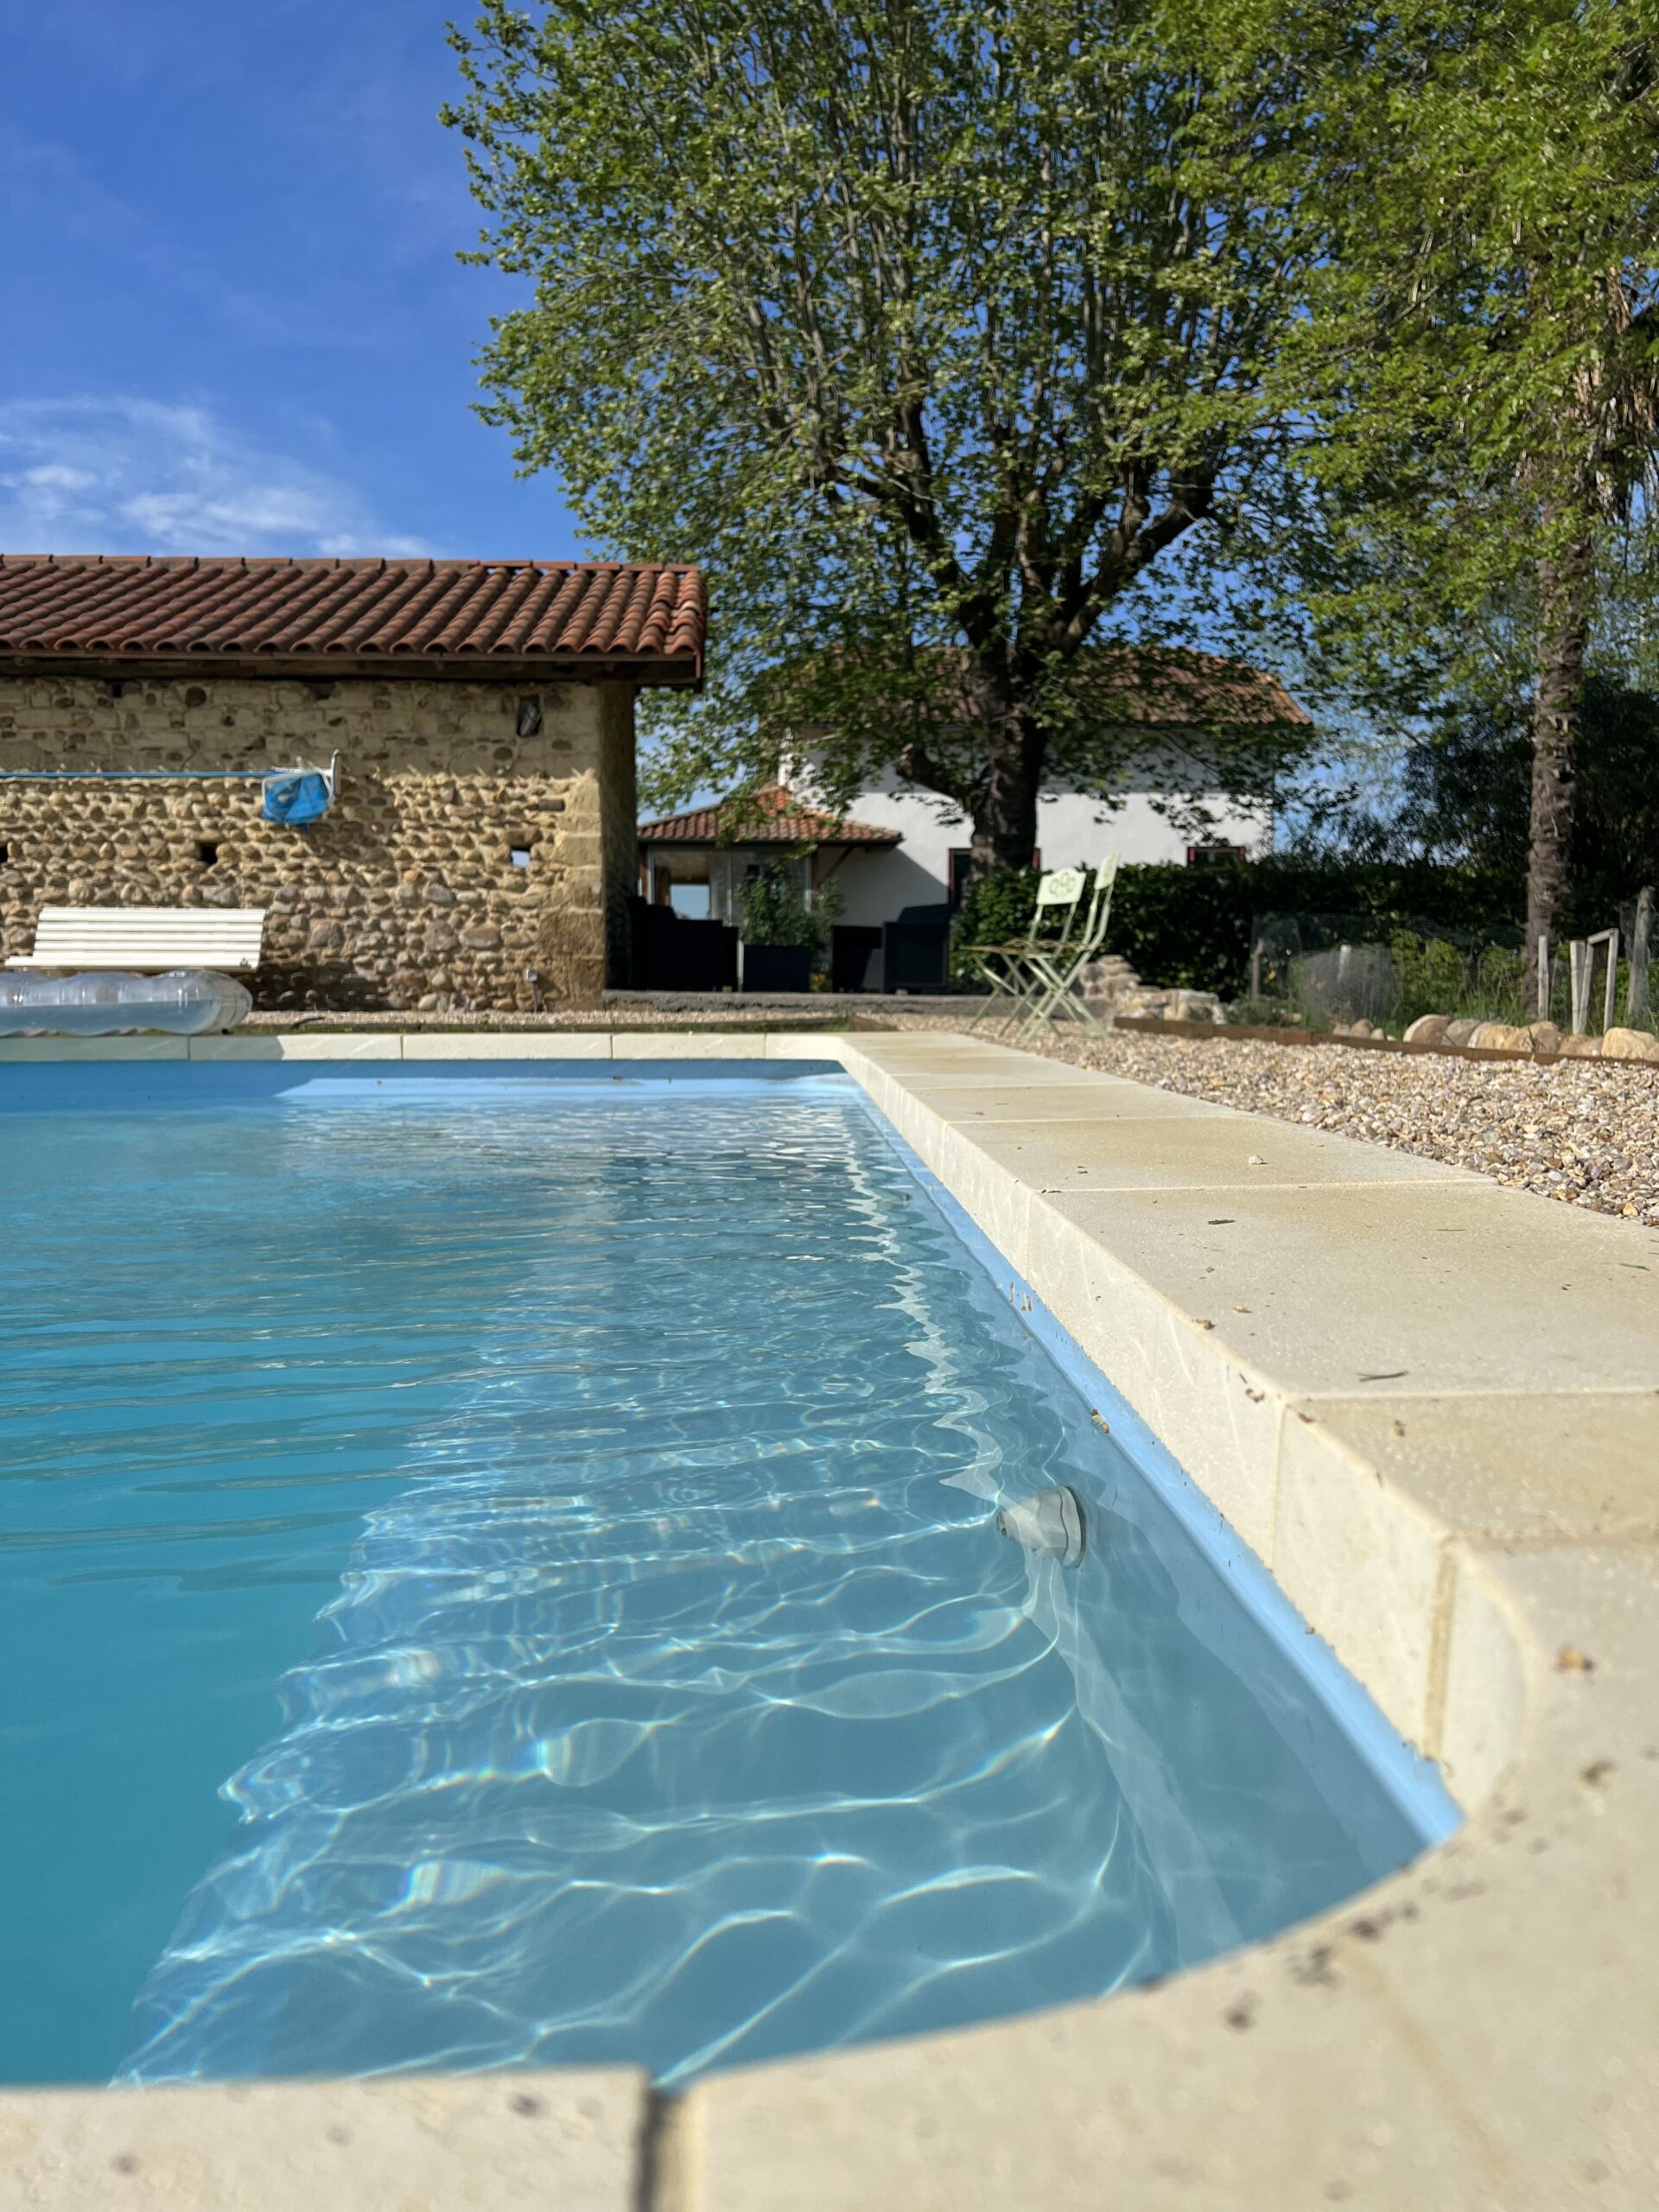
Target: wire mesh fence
x=1322, y=971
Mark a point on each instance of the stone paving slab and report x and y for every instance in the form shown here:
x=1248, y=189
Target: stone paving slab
x=564, y=2142
x=1209, y=1151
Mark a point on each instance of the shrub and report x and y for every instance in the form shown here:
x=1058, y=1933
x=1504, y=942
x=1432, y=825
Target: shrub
x=774, y=912
x=1194, y=927
x=997, y=908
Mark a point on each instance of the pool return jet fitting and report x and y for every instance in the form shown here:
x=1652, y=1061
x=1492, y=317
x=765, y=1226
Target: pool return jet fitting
x=1051, y=1524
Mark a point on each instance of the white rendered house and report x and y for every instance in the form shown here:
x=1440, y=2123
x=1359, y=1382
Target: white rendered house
x=899, y=846
x=1176, y=697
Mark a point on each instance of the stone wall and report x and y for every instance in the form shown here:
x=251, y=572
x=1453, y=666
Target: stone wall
x=406, y=894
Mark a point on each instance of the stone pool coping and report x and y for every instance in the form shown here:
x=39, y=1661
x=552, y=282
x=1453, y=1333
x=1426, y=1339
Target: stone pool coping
x=1431, y=1405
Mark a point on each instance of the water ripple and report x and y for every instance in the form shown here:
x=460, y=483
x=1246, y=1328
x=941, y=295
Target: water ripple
x=676, y=1702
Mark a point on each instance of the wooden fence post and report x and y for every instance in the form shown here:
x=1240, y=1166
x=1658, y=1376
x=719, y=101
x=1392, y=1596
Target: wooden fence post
x=1637, y=1010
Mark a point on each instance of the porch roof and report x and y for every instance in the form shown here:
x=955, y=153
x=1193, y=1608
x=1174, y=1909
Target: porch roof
x=771, y=817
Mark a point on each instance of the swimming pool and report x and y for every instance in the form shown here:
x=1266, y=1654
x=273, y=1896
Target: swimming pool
x=504, y=1570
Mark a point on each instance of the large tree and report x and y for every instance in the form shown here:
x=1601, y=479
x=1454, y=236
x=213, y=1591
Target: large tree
x=1479, y=375
x=938, y=331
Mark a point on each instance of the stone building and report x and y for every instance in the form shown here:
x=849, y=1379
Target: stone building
x=479, y=849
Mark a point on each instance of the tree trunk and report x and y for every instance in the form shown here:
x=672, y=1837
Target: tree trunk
x=1564, y=596
x=1005, y=821
x=1005, y=806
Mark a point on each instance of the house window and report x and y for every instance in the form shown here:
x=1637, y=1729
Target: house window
x=520, y=855
x=529, y=718
x=207, y=853
x=961, y=859
x=1214, y=855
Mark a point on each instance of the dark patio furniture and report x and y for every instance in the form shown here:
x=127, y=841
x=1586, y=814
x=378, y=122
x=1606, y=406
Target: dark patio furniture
x=673, y=953
x=776, y=968
x=915, y=949
x=852, y=948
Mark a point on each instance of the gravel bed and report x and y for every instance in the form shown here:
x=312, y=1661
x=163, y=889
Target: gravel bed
x=1584, y=1132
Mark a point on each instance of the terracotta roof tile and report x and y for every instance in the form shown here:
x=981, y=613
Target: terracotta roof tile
x=771, y=817
x=1150, y=687
x=464, y=617
x=1147, y=685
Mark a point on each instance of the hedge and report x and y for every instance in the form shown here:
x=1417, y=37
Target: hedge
x=1194, y=927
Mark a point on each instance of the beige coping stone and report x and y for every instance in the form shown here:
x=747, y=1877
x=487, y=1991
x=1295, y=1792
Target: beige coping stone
x=1576, y=1466
x=25, y=1049
x=1002, y=1105
x=507, y=1045
x=1213, y=1151
x=302, y=1044
x=563, y=2142
x=805, y=1045
x=965, y=1071
x=688, y=1045
x=1432, y=1284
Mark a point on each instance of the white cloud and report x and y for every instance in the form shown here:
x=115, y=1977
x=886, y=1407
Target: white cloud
x=132, y=475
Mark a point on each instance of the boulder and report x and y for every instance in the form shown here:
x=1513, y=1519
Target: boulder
x=1110, y=978
x=1461, y=1031
x=1428, y=1029
x=1546, y=1036
x=1580, y=1048
x=1171, y=1005
x=1630, y=1045
x=1502, y=1037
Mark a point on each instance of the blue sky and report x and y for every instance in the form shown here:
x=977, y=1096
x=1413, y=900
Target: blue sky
x=232, y=317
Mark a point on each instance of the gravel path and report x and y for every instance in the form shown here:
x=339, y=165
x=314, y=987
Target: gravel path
x=1581, y=1133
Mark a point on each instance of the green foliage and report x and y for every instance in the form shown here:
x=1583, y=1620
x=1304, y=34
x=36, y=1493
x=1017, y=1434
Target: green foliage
x=1466, y=792
x=774, y=910
x=1266, y=1014
x=1435, y=976
x=997, y=908
x=932, y=330
x=1193, y=927
x=1475, y=363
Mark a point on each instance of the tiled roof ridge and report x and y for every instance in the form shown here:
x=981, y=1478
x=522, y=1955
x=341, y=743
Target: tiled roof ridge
x=165, y=562
x=771, y=815
x=404, y=610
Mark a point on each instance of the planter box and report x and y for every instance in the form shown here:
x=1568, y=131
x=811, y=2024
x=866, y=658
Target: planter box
x=776, y=968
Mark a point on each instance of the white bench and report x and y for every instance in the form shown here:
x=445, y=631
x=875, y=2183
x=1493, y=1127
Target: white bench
x=146, y=939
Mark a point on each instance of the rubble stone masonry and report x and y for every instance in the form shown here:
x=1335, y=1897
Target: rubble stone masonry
x=406, y=894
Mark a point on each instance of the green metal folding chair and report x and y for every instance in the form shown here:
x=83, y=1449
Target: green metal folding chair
x=1007, y=967
x=1055, y=969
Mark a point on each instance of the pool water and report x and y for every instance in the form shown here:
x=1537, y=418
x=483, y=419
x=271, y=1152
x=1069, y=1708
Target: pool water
x=505, y=1571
